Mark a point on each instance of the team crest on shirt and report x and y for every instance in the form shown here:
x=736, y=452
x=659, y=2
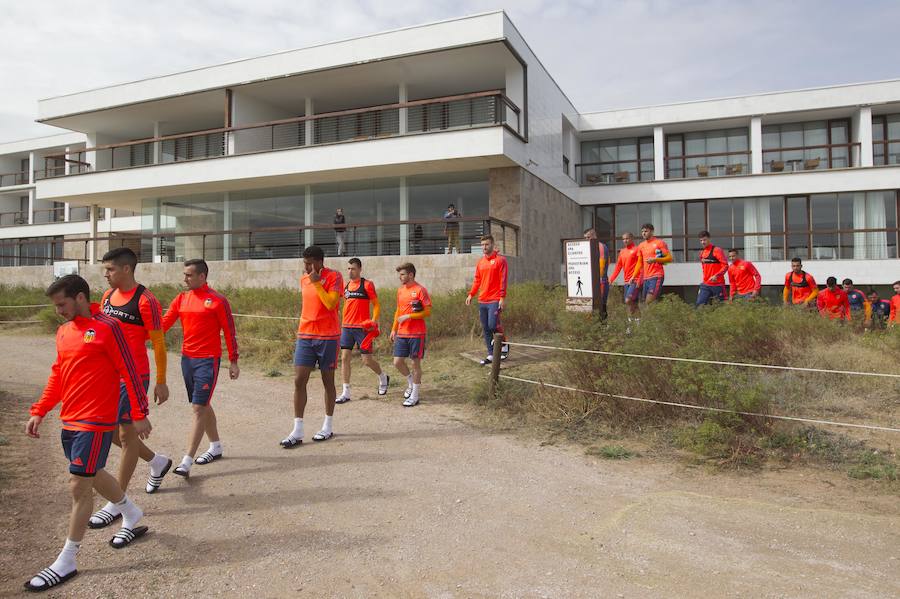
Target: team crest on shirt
x=208, y=302
x=89, y=335
x=414, y=294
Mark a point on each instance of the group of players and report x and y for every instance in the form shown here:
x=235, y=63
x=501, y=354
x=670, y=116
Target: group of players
x=643, y=270
x=101, y=375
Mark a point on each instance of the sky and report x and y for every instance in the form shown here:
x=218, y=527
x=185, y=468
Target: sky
x=604, y=54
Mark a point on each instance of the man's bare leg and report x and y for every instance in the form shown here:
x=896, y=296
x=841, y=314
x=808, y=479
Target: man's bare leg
x=301, y=379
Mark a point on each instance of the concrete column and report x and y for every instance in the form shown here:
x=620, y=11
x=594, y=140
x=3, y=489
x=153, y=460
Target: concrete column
x=226, y=238
x=659, y=154
x=403, y=97
x=31, y=206
x=756, y=149
x=157, y=211
x=861, y=129
x=67, y=212
x=92, y=245
x=404, y=215
x=31, y=168
x=308, y=216
x=157, y=146
x=308, y=111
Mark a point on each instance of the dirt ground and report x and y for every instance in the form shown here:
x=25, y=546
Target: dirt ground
x=421, y=503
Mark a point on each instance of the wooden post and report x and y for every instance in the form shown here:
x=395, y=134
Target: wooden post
x=495, y=363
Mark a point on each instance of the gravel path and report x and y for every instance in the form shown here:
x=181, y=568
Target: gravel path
x=419, y=503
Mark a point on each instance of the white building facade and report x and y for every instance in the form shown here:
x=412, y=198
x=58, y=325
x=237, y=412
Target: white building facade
x=249, y=161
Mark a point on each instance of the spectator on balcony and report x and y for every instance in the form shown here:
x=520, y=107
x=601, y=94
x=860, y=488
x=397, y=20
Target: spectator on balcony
x=418, y=236
x=340, y=231
x=451, y=229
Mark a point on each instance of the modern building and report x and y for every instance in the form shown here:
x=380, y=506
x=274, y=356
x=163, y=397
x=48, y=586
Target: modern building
x=247, y=161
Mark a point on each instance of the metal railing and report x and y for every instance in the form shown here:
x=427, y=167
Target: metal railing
x=614, y=171
x=421, y=237
x=463, y=111
x=809, y=158
x=9, y=179
x=886, y=156
x=49, y=215
x=713, y=164
x=13, y=219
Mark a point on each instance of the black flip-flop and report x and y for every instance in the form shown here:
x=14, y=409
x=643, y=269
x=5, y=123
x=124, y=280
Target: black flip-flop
x=207, y=458
x=322, y=436
x=153, y=482
x=290, y=443
x=50, y=577
x=181, y=471
x=126, y=536
x=105, y=519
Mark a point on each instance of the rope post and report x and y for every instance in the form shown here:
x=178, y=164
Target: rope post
x=495, y=363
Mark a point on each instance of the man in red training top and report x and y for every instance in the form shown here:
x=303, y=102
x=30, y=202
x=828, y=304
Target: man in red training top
x=800, y=287
x=409, y=330
x=204, y=313
x=832, y=302
x=653, y=253
x=489, y=285
x=92, y=356
x=317, y=340
x=713, y=267
x=745, y=281
x=895, y=305
x=626, y=263
x=359, y=327
x=140, y=316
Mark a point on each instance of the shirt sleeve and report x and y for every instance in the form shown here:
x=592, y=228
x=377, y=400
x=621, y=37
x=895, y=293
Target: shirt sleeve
x=151, y=311
x=120, y=353
x=426, y=298
x=476, y=284
x=720, y=256
x=52, y=394
x=172, y=313
x=226, y=321
x=619, y=261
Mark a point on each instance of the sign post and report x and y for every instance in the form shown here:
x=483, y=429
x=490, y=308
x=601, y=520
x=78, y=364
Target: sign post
x=582, y=275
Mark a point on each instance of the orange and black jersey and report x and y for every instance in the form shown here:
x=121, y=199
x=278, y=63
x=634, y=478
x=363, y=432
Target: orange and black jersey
x=139, y=312
x=92, y=356
x=799, y=288
x=714, y=265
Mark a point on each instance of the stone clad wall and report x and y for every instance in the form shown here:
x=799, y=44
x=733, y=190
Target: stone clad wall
x=438, y=273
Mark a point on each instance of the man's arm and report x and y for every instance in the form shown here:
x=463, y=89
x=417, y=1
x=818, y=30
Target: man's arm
x=813, y=295
x=52, y=394
x=786, y=294
x=723, y=265
x=396, y=323
x=757, y=280
x=476, y=286
x=172, y=313
x=504, y=276
x=638, y=267
x=619, y=262
x=226, y=322
x=119, y=352
x=376, y=305
x=151, y=313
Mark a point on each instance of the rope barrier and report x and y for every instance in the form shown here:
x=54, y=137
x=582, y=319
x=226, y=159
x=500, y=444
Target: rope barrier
x=27, y=306
x=294, y=318
x=705, y=408
x=699, y=361
x=20, y=321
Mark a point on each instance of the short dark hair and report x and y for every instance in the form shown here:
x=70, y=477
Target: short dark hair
x=703, y=234
x=895, y=283
x=199, y=265
x=490, y=237
x=313, y=252
x=847, y=282
x=355, y=261
x=648, y=226
x=796, y=259
x=588, y=230
x=408, y=267
x=735, y=250
x=831, y=281
x=71, y=286
x=871, y=290
x=121, y=257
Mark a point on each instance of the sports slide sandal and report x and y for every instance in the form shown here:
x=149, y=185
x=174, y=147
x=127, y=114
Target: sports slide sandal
x=125, y=536
x=322, y=436
x=101, y=519
x=207, y=458
x=51, y=579
x=290, y=442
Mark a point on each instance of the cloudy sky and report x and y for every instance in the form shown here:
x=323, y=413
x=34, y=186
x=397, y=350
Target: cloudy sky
x=603, y=53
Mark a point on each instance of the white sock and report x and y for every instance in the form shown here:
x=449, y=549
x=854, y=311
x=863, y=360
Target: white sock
x=157, y=464
x=131, y=514
x=409, y=381
x=415, y=391
x=346, y=390
x=186, y=462
x=382, y=378
x=215, y=447
x=326, y=426
x=297, y=433
x=64, y=563
x=112, y=508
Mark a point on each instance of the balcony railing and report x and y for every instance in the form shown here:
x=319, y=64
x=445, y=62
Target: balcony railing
x=887, y=151
x=422, y=237
x=713, y=164
x=614, y=171
x=50, y=215
x=9, y=179
x=809, y=158
x=13, y=219
x=465, y=111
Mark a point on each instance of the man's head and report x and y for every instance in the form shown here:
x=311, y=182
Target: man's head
x=407, y=273
x=847, y=284
x=313, y=259
x=796, y=265
x=487, y=244
x=195, y=273
x=647, y=230
x=831, y=283
x=590, y=234
x=71, y=296
x=627, y=238
x=118, y=268
x=872, y=294
x=354, y=268
x=704, y=238
x=896, y=286
x=339, y=211
x=451, y=207
x=734, y=255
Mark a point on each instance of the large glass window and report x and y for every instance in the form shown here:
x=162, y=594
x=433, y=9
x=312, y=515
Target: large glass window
x=886, y=139
x=364, y=203
x=616, y=161
x=429, y=198
x=807, y=146
x=708, y=153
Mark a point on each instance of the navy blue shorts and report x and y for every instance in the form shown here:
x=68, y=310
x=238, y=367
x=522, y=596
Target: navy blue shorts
x=316, y=352
x=125, y=403
x=409, y=347
x=86, y=450
x=652, y=286
x=353, y=337
x=632, y=292
x=200, y=376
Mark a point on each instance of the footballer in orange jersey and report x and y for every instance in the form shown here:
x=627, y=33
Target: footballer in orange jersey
x=409, y=329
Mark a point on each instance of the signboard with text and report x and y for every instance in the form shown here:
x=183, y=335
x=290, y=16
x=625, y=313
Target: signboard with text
x=582, y=276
